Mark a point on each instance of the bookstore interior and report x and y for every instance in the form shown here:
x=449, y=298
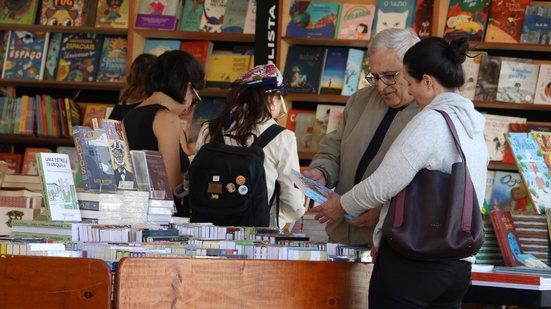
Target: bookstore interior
x=65, y=208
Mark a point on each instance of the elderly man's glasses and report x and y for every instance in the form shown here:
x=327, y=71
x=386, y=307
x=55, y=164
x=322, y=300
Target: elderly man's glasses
x=388, y=78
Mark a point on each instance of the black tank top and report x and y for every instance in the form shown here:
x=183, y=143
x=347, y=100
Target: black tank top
x=138, y=124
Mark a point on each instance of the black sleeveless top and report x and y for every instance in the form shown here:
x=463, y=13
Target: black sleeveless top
x=138, y=124
x=119, y=110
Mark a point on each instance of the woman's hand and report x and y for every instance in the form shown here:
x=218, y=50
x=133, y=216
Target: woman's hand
x=330, y=211
x=368, y=219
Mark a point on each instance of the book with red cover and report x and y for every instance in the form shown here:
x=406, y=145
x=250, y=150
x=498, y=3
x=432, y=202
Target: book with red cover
x=506, y=236
x=505, y=21
x=29, y=160
x=13, y=160
x=201, y=50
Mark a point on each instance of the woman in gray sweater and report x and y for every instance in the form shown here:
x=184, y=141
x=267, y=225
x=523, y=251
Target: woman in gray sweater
x=432, y=68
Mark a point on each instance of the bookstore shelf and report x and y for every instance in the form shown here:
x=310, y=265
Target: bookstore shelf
x=510, y=46
x=214, y=92
x=17, y=27
x=189, y=35
x=498, y=165
x=513, y=106
x=325, y=42
x=312, y=97
x=106, y=86
x=36, y=140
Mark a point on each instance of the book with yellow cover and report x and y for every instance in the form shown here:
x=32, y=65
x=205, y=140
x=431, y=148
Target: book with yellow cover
x=223, y=69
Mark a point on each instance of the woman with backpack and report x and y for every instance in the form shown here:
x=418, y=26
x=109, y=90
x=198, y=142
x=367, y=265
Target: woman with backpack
x=254, y=102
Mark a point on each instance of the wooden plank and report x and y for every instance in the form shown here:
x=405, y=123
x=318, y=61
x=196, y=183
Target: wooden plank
x=237, y=283
x=54, y=282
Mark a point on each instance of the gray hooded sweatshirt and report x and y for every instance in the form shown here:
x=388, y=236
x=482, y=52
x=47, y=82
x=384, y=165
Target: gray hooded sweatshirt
x=425, y=142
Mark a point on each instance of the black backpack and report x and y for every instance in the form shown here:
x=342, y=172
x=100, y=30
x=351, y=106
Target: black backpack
x=227, y=184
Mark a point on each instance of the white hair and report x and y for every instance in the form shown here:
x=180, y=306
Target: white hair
x=398, y=40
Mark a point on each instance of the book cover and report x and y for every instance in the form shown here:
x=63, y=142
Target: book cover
x=335, y=115
x=393, y=14
x=158, y=14
x=119, y=151
x=543, y=88
x=303, y=68
x=422, y=24
x=112, y=64
x=312, y=19
x=471, y=67
x=92, y=111
x=79, y=56
x=94, y=159
x=506, y=236
x=158, y=46
x=333, y=73
x=320, y=125
x=250, y=19
x=494, y=133
x=18, y=11
x=537, y=25
x=207, y=110
x=517, y=82
x=213, y=15
x=309, y=187
x=504, y=183
x=505, y=21
x=352, y=71
x=9, y=214
x=71, y=152
x=191, y=16
x=65, y=13
x=29, y=160
x=507, y=153
x=25, y=55
x=201, y=50
x=544, y=142
x=58, y=186
x=234, y=18
x=140, y=170
x=488, y=76
x=158, y=177
x=355, y=21
x=304, y=129
x=112, y=13
x=467, y=18
x=292, y=118
x=52, y=58
x=532, y=167
x=13, y=160
x=223, y=69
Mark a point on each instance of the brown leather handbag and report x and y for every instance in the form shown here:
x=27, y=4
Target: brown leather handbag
x=437, y=216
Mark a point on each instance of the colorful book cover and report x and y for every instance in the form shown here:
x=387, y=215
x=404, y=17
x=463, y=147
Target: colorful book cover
x=250, y=19
x=505, y=21
x=158, y=177
x=532, y=168
x=355, y=21
x=309, y=187
x=352, y=71
x=112, y=13
x=112, y=64
x=494, y=133
x=13, y=160
x=304, y=129
x=335, y=116
x=422, y=24
x=158, y=14
x=517, y=82
x=234, y=18
x=223, y=69
x=158, y=46
x=292, y=118
x=543, y=89
x=544, y=142
x=393, y=14
x=467, y=18
x=52, y=58
x=303, y=68
x=207, y=110
x=58, y=187
x=119, y=151
x=66, y=13
x=79, y=56
x=4, y=39
x=18, y=11
x=191, y=17
x=201, y=50
x=29, y=160
x=506, y=236
x=213, y=15
x=332, y=80
x=504, y=183
x=312, y=19
x=25, y=55
x=537, y=25
x=471, y=67
x=488, y=76
x=94, y=159
x=92, y=111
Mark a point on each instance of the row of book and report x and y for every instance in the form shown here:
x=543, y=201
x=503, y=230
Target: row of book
x=66, y=13
x=63, y=56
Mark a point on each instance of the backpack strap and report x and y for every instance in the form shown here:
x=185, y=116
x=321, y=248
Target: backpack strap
x=268, y=135
x=276, y=194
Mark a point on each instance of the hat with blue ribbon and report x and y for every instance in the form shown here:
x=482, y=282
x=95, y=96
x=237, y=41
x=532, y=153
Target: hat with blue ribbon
x=265, y=76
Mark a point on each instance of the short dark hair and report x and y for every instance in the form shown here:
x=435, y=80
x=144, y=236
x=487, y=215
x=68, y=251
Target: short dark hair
x=172, y=73
x=436, y=57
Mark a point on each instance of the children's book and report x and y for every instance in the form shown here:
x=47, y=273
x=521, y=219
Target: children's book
x=191, y=16
x=201, y=50
x=537, y=25
x=234, y=18
x=506, y=236
x=158, y=14
x=250, y=19
x=393, y=14
x=320, y=125
x=543, y=88
x=488, y=76
x=309, y=187
x=25, y=55
x=292, y=119
x=79, y=56
x=467, y=19
x=66, y=13
x=303, y=68
x=544, y=142
x=312, y=19
x=158, y=46
x=352, y=71
x=471, y=67
x=213, y=15
x=112, y=13
x=422, y=24
x=13, y=160
x=494, y=133
x=517, y=82
x=112, y=64
x=355, y=21
x=18, y=11
x=505, y=22
x=92, y=111
x=504, y=183
x=332, y=80
x=304, y=129
x=52, y=58
x=224, y=69
x=58, y=187
x=29, y=160
x=335, y=116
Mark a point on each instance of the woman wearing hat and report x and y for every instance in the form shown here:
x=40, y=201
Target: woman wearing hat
x=254, y=101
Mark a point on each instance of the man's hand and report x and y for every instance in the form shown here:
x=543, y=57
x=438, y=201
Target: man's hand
x=330, y=211
x=316, y=175
x=368, y=219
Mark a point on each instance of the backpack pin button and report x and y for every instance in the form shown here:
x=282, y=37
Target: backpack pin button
x=240, y=180
x=230, y=187
x=243, y=190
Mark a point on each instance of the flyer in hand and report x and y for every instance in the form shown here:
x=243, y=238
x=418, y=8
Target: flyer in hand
x=311, y=188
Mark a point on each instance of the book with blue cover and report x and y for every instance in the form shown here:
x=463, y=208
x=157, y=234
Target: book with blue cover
x=235, y=16
x=537, y=25
x=158, y=46
x=303, y=68
x=333, y=73
x=112, y=64
x=313, y=19
x=79, y=56
x=53, y=55
x=191, y=16
x=25, y=56
x=393, y=14
x=352, y=71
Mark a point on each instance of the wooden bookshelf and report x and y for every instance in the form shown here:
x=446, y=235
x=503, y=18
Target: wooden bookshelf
x=103, y=86
x=195, y=35
x=36, y=140
x=83, y=29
